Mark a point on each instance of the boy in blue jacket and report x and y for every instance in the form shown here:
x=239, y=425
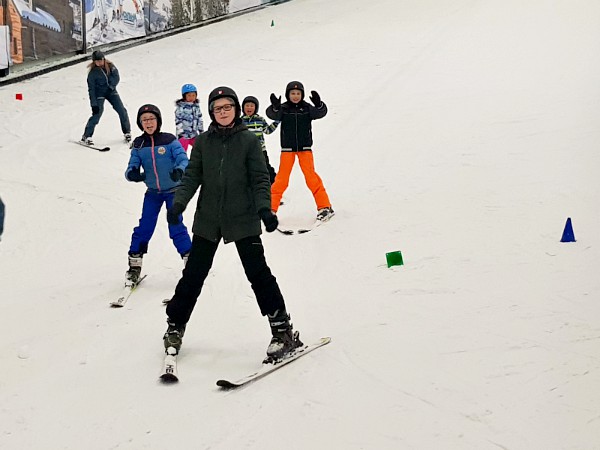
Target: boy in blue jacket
x=163, y=161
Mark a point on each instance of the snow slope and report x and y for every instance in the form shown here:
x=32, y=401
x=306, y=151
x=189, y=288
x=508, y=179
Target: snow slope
x=461, y=132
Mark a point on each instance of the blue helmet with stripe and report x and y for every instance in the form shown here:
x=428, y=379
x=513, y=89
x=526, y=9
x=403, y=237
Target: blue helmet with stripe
x=188, y=88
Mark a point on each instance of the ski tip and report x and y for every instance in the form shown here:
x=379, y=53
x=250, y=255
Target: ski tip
x=169, y=378
x=286, y=232
x=226, y=385
x=104, y=149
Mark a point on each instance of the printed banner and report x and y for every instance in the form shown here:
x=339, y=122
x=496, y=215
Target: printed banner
x=113, y=20
x=41, y=28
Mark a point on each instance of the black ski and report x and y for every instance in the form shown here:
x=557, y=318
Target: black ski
x=93, y=147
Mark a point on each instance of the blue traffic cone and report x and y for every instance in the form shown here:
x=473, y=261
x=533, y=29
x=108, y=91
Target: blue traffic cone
x=568, y=235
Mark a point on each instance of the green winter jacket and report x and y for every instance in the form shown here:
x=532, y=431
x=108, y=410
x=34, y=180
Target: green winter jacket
x=230, y=169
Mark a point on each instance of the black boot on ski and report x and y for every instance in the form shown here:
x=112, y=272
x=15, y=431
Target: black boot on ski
x=174, y=336
x=324, y=214
x=284, y=340
x=135, y=267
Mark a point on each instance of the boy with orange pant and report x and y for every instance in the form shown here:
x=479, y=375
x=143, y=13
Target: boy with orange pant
x=296, y=116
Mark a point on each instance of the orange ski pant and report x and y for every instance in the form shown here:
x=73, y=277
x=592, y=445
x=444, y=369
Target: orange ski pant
x=313, y=181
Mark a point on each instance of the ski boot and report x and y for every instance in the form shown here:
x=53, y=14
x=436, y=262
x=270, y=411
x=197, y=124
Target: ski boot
x=127, y=137
x=87, y=140
x=135, y=267
x=324, y=214
x=185, y=258
x=284, y=340
x=173, y=336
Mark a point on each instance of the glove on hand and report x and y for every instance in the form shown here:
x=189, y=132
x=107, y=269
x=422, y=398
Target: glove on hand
x=315, y=98
x=275, y=102
x=95, y=110
x=176, y=175
x=135, y=175
x=174, y=213
x=269, y=219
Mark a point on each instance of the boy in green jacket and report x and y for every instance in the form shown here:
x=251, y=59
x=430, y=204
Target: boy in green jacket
x=228, y=166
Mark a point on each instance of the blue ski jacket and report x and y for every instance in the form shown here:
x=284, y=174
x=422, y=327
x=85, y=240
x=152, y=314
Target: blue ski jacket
x=158, y=155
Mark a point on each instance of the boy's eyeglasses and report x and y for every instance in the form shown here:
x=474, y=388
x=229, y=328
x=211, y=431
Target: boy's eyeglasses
x=151, y=119
x=226, y=108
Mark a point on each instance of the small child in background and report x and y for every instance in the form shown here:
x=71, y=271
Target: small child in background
x=259, y=126
x=188, y=117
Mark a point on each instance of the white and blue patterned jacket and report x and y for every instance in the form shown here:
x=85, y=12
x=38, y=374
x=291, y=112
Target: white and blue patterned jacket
x=188, y=119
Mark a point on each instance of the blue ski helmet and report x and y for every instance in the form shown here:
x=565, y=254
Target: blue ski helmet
x=186, y=88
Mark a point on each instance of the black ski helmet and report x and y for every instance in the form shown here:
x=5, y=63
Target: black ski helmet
x=251, y=99
x=221, y=92
x=97, y=55
x=294, y=85
x=149, y=109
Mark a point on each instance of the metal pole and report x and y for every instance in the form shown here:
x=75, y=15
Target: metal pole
x=83, y=29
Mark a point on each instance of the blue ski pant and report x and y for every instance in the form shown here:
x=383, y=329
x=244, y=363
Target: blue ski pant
x=118, y=106
x=142, y=234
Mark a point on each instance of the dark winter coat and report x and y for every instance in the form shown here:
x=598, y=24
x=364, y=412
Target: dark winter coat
x=229, y=168
x=101, y=83
x=296, y=128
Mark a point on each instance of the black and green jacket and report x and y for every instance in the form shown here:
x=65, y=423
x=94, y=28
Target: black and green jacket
x=229, y=168
x=259, y=126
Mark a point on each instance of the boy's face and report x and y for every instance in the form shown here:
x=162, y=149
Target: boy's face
x=149, y=122
x=295, y=95
x=190, y=97
x=249, y=108
x=224, y=111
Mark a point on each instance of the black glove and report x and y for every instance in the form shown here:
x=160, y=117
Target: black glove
x=269, y=219
x=95, y=109
x=135, y=175
x=174, y=213
x=176, y=175
x=275, y=102
x=315, y=98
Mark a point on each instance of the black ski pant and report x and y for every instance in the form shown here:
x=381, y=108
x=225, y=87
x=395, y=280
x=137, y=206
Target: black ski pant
x=200, y=261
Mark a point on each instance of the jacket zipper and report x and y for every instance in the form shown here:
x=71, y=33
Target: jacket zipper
x=154, y=164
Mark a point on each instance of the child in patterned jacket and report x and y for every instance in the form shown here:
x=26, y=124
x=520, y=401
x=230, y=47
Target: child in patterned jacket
x=259, y=126
x=188, y=117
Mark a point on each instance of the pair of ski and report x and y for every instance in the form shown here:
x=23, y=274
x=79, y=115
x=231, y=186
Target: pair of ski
x=316, y=223
x=169, y=373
